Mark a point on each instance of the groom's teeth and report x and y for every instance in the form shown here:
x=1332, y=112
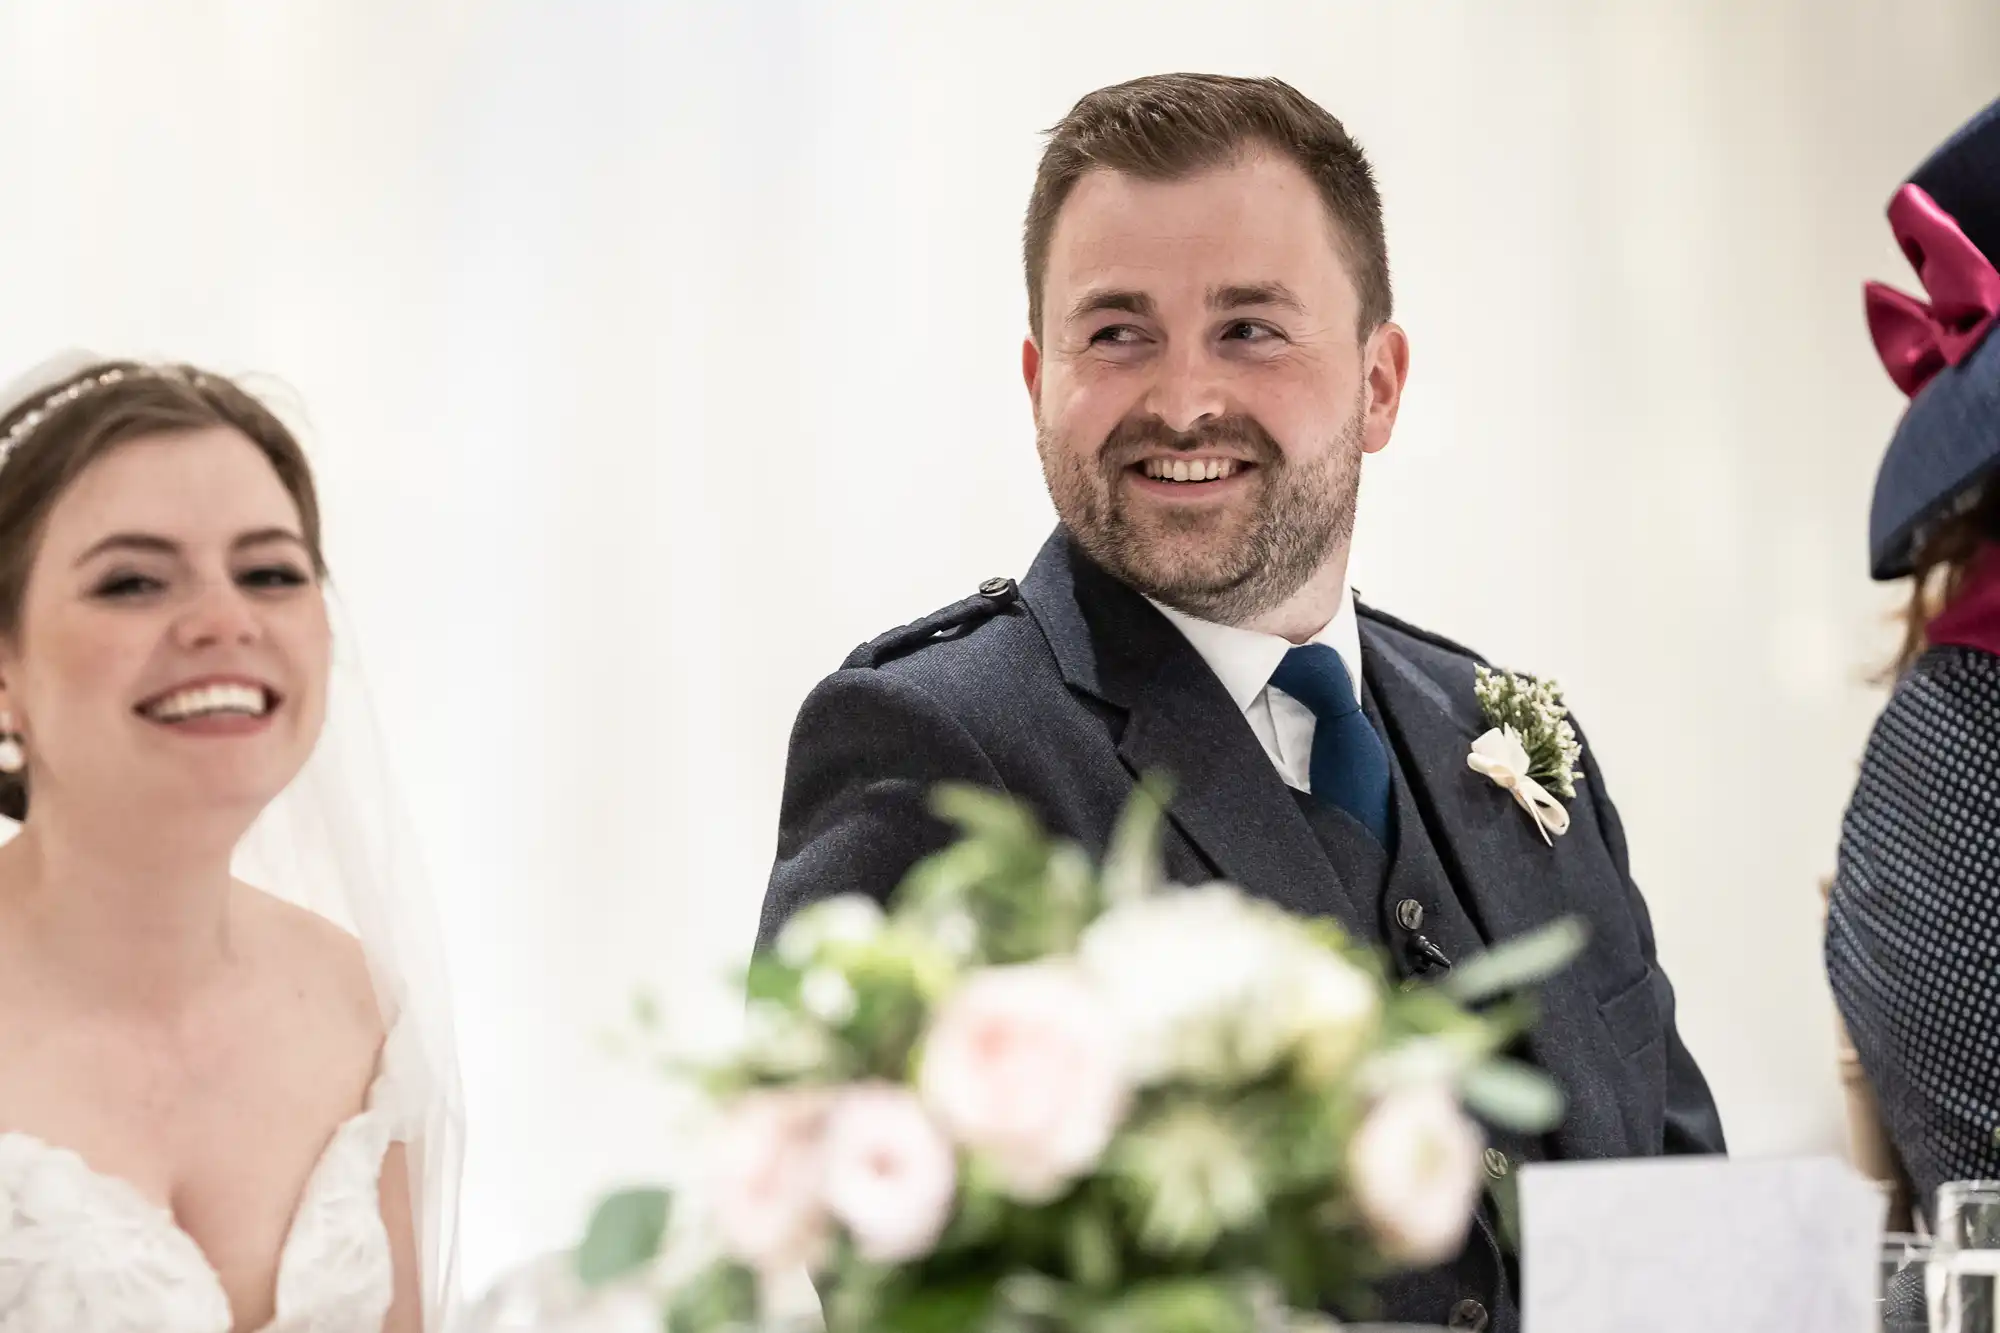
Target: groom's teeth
x=1180, y=469
x=206, y=700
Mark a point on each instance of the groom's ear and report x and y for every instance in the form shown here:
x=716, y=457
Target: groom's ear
x=1031, y=372
x=1385, y=367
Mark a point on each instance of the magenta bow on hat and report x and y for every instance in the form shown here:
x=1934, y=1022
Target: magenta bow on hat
x=1916, y=339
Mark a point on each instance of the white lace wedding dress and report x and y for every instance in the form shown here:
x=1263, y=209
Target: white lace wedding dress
x=82, y=1252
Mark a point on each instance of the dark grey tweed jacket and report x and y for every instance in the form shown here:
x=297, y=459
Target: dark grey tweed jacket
x=1913, y=928
x=1063, y=694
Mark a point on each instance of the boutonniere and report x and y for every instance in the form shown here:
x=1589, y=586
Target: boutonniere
x=1531, y=751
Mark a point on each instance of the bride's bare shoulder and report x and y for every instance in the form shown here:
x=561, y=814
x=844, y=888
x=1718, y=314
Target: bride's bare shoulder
x=319, y=960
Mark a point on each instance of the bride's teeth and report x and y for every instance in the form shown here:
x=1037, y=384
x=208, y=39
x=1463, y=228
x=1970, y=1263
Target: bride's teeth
x=208, y=699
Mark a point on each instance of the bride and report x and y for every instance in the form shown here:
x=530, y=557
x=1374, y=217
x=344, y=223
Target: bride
x=227, y=1093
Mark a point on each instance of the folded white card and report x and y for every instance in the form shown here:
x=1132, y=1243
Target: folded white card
x=1699, y=1245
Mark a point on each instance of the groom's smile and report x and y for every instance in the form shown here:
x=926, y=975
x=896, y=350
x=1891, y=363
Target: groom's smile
x=1183, y=476
x=1195, y=470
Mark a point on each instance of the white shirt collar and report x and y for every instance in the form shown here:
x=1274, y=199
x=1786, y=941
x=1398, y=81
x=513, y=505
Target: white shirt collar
x=1243, y=659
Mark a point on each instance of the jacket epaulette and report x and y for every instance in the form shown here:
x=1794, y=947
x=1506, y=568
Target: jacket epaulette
x=994, y=596
x=1405, y=627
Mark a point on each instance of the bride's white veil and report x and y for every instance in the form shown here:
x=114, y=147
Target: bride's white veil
x=337, y=842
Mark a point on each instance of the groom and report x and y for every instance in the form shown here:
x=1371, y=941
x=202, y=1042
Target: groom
x=1209, y=357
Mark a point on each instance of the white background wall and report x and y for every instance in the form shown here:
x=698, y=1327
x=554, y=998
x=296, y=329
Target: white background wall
x=657, y=352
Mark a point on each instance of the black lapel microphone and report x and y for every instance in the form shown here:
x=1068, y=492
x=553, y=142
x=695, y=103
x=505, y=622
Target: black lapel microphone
x=1430, y=953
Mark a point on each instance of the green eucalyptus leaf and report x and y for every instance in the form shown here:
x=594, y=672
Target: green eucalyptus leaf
x=1426, y=1011
x=1513, y=1096
x=1069, y=894
x=1133, y=867
x=1519, y=962
x=770, y=979
x=1506, y=1196
x=1176, y=1305
x=1092, y=1246
x=624, y=1235
x=946, y=878
x=953, y=1309
x=983, y=813
x=852, y=1298
x=1506, y=1021
x=722, y=1297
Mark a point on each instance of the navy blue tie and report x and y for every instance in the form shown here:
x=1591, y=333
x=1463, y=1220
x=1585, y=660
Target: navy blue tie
x=1350, y=769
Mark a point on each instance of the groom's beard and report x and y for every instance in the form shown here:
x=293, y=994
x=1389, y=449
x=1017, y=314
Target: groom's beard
x=1228, y=563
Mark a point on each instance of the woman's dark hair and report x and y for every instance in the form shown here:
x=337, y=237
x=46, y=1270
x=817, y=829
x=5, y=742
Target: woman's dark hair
x=1938, y=570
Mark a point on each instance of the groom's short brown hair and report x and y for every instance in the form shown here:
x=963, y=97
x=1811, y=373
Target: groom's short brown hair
x=1167, y=126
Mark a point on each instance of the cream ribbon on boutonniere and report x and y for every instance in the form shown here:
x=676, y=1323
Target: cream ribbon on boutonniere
x=1500, y=756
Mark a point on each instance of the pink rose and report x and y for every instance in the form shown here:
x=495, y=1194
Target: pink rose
x=768, y=1169
x=1023, y=1065
x=1415, y=1169
x=891, y=1174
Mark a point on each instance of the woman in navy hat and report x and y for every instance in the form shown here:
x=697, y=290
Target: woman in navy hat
x=1913, y=931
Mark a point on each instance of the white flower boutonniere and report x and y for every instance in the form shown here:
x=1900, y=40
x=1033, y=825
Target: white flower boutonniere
x=1531, y=751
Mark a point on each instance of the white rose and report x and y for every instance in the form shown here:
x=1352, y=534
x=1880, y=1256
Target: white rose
x=767, y=1171
x=1187, y=973
x=1022, y=1065
x=849, y=918
x=957, y=934
x=827, y=996
x=1332, y=1008
x=1415, y=1169
x=778, y=1040
x=891, y=1174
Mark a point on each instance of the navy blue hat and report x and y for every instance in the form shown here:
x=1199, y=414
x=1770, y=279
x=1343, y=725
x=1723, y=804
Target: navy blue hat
x=1942, y=352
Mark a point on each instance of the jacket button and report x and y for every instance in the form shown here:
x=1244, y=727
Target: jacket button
x=1410, y=914
x=1000, y=590
x=1470, y=1315
x=1497, y=1165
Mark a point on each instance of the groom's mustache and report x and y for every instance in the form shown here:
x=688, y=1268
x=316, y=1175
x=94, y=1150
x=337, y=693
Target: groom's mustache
x=1136, y=438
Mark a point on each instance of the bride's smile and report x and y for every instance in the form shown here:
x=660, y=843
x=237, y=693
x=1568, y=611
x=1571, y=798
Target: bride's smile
x=216, y=706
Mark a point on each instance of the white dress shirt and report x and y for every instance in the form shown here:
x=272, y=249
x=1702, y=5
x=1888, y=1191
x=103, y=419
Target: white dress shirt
x=1243, y=660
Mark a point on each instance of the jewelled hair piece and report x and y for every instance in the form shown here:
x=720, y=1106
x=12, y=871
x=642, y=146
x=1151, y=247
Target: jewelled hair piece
x=30, y=420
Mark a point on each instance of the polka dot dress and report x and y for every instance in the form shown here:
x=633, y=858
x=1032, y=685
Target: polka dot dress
x=1913, y=930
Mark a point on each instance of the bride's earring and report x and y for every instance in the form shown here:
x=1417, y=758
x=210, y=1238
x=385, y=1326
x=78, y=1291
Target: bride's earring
x=12, y=757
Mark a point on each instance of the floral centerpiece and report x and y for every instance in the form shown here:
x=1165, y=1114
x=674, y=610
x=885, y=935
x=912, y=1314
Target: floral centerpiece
x=1039, y=1094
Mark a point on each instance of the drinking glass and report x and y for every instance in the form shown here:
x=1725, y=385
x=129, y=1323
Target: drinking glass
x=1962, y=1276
x=1899, y=1284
